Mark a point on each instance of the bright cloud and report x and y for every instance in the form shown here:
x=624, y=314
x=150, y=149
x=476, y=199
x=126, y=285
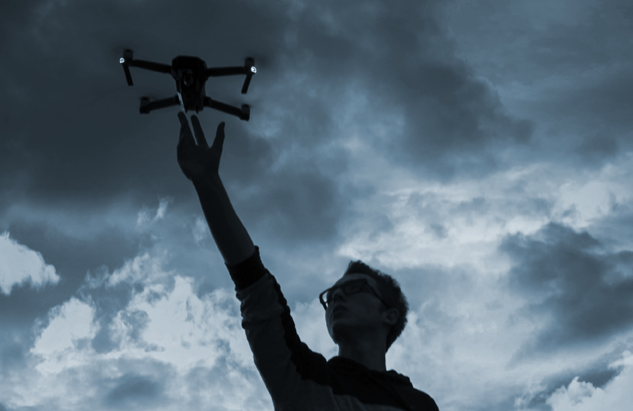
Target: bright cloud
x=19, y=264
x=200, y=230
x=144, y=216
x=185, y=340
x=69, y=329
x=583, y=396
x=182, y=329
x=138, y=269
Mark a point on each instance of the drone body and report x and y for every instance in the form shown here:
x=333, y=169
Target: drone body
x=191, y=74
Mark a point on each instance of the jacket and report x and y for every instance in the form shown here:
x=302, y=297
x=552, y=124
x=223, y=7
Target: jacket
x=299, y=379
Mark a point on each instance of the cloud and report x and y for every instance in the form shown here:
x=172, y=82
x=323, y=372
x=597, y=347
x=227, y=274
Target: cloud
x=358, y=111
x=583, y=396
x=168, y=346
x=69, y=329
x=200, y=230
x=134, y=391
x=579, y=290
x=329, y=74
x=137, y=270
x=556, y=63
x=144, y=216
x=20, y=265
x=390, y=75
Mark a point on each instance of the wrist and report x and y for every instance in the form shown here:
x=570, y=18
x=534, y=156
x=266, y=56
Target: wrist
x=206, y=183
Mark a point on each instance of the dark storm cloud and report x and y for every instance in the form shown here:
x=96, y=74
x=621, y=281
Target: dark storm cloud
x=401, y=59
x=307, y=207
x=71, y=130
x=563, y=63
x=13, y=15
x=577, y=289
x=75, y=134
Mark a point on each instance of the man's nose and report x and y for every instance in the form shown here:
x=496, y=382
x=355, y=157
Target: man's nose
x=338, y=292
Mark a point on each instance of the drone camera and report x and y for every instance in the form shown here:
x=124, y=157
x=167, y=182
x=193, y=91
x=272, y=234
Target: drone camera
x=187, y=79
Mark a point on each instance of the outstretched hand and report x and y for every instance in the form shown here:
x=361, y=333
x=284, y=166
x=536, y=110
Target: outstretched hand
x=198, y=162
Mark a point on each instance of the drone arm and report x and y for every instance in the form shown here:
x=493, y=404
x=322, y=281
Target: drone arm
x=128, y=61
x=248, y=69
x=244, y=113
x=150, y=65
x=146, y=106
x=225, y=71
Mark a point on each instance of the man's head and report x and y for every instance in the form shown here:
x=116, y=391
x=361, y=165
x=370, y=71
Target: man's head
x=369, y=301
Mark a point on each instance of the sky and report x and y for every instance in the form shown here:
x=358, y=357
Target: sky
x=477, y=151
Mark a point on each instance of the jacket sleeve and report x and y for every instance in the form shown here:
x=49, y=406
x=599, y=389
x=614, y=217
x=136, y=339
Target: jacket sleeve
x=291, y=372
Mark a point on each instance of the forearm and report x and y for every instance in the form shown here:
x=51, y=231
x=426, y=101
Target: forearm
x=229, y=233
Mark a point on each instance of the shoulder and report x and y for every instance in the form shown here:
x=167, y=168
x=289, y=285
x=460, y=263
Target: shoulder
x=417, y=399
x=424, y=402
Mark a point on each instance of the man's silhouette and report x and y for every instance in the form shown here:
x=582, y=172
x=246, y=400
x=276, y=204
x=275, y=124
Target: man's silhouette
x=365, y=311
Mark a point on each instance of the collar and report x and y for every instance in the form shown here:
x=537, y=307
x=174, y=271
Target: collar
x=351, y=365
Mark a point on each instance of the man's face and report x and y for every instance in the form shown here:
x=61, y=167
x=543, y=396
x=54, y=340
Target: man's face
x=359, y=313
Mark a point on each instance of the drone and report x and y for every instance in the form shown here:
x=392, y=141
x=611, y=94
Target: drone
x=191, y=74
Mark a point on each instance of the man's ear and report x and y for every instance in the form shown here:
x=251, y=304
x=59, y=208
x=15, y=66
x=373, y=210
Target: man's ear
x=392, y=315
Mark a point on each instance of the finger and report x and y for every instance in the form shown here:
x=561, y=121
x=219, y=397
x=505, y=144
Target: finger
x=197, y=129
x=186, y=138
x=218, y=143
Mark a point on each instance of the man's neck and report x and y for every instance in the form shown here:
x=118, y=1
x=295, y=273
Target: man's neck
x=371, y=357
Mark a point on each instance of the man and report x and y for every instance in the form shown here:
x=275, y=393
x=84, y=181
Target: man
x=365, y=311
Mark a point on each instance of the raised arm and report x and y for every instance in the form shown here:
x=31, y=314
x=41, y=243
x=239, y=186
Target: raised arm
x=200, y=164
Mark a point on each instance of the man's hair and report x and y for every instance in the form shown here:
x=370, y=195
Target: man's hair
x=390, y=291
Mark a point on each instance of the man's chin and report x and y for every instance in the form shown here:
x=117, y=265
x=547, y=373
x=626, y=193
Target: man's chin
x=338, y=331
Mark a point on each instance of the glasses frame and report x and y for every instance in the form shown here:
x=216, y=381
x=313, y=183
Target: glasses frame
x=365, y=283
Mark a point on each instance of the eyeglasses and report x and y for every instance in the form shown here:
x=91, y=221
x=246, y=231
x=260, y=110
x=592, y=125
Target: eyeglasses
x=349, y=288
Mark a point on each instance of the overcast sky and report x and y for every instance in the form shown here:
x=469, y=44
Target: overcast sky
x=480, y=152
